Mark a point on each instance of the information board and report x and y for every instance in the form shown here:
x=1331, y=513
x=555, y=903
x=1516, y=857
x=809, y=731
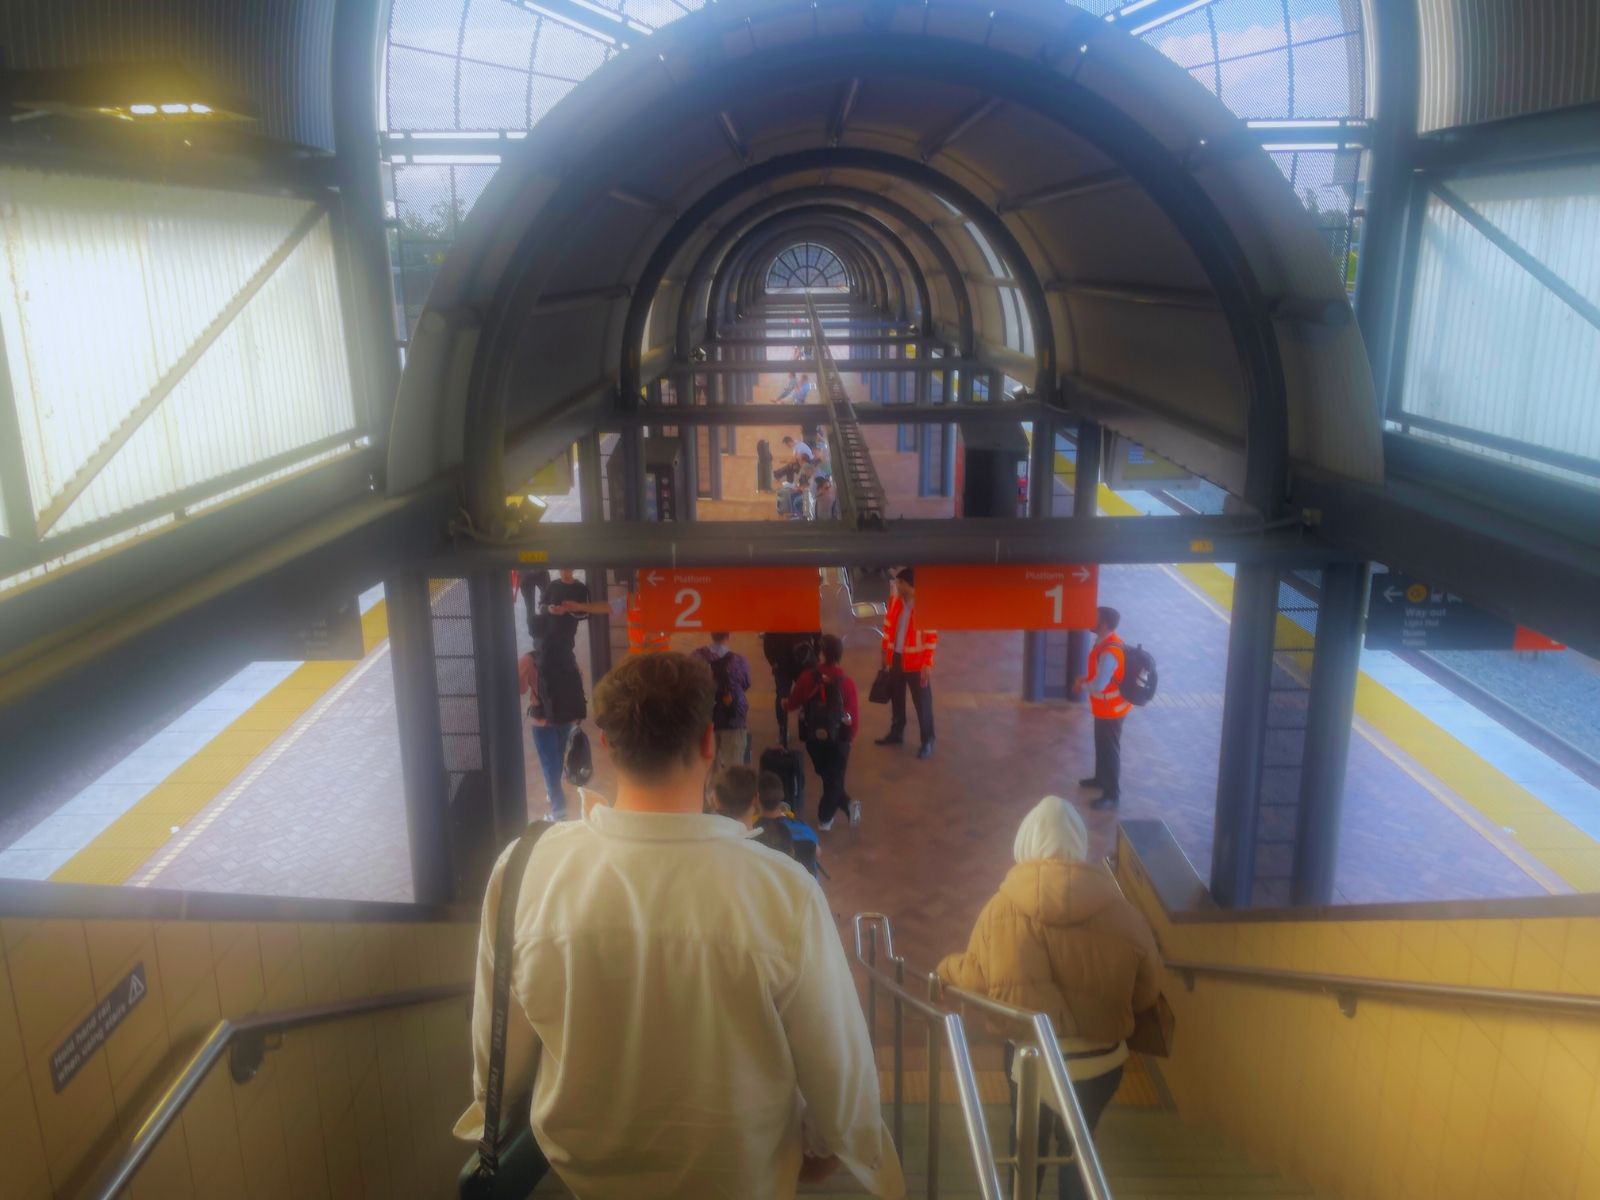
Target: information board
x=1407, y=614
x=731, y=599
x=1007, y=597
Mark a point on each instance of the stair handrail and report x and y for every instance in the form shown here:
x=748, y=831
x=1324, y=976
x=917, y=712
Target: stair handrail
x=246, y=1034
x=1346, y=989
x=950, y=1026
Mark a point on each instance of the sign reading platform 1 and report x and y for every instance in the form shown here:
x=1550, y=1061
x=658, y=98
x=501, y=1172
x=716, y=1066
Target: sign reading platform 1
x=733, y=599
x=1406, y=614
x=1008, y=597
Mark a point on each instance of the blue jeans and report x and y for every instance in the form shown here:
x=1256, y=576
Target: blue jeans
x=550, y=742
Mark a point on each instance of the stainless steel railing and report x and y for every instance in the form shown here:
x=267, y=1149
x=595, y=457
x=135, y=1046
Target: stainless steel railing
x=870, y=930
x=243, y=1041
x=941, y=1023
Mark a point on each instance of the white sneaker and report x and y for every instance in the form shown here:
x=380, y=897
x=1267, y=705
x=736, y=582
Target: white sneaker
x=824, y=826
x=855, y=814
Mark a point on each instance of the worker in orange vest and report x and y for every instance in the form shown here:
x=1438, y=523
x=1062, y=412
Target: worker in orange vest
x=1107, y=661
x=908, y=657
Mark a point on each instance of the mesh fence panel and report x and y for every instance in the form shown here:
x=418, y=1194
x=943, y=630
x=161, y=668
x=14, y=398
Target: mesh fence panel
x=456, y=678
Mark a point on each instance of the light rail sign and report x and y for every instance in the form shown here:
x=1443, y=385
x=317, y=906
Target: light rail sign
x=994, y=596
x=1407, y=614
x=730, y=599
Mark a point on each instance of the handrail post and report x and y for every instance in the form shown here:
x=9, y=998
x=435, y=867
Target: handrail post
x=934, y=1067
x=899, y=1058
x=872, y=990
x=1026, y=1184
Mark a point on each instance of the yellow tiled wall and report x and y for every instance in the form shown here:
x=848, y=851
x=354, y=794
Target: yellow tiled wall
x=1402, y=1101
x=362, y=1107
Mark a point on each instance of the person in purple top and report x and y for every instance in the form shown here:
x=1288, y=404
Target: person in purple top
x=730, y=712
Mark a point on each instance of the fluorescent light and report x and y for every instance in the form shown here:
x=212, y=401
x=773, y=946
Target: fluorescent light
x=1128, y=10
x=142, y=110
x=201, y=109
x=1181, y=11
x=174, y=109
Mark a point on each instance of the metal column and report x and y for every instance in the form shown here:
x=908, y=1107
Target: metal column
x=1327, y=736
x=494, y=647
x=1244, y=721
x=422, y=769
x=1041, y=500
x=1085, y=502
x=591, y=511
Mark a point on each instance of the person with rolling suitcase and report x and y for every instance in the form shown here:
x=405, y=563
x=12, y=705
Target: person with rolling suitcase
x=786, y=765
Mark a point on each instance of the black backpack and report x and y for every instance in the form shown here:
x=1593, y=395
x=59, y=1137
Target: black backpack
x=823, y=713
x=1138, y=675
x=725, y=708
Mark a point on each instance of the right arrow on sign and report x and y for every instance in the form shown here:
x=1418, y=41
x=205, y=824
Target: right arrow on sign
x=1080, y=574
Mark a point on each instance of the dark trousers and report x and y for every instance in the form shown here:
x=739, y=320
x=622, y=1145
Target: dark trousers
x=1108, y=755
x=831, y=760
x=1093, y=1096
x=784, y=685
x=900, y=682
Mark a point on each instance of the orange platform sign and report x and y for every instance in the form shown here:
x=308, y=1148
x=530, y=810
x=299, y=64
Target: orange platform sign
x=732, y=599
x=1008, y=597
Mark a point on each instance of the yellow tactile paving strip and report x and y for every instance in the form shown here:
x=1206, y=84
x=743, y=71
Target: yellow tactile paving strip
x=1545, y=837
x=117, y=853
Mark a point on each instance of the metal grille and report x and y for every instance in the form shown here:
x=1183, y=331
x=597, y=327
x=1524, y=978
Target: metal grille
x=805, y=266
x=428, y=202
x=456, y=676
x=1283, y=741
x=1326, y=181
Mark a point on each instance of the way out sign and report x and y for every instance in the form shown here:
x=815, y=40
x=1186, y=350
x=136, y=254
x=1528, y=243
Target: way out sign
x=731, y=599
x=1407, y=614
x=1007, y=597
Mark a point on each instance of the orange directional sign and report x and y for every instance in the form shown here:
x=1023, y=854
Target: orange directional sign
x=734, y=599
x=1007, y=597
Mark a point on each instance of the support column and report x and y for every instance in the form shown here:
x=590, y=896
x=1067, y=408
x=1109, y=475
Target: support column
x=422, y=769
x=1085, y=503
x=1244, y=721
x=1041, y=500
x=494, y=647
x=591, y=511
x=1331, y=711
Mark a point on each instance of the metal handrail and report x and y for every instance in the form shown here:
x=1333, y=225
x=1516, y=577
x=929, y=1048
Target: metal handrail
x=944, y=1022
x=119, y=1171
x=1345, y=989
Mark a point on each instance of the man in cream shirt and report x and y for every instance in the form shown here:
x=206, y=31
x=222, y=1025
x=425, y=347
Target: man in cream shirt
x=681, y=1002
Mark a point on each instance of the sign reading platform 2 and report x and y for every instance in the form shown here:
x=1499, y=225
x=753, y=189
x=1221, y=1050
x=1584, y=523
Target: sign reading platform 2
x=732, y=599
x=1007, y=597
x=1406, y=614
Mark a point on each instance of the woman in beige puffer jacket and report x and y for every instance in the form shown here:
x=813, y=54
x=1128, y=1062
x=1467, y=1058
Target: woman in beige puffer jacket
x=1060, y=938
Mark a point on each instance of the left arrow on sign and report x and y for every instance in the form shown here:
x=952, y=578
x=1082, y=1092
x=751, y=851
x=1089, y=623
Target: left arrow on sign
x=1389, y=593
x=654, y=578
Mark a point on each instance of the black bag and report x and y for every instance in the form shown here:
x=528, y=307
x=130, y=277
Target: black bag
x=579, y=764
x=1138, y=685
x=724, y=706
x=787, y=766
x=504, y=1168
x=823, y=714
x=882, y=687
x=763, y=466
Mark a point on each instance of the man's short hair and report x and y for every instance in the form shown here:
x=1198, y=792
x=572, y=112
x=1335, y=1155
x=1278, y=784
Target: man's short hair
x=909, y=574
x=654, y=709
x=720, y=637
x=736, y=791
x=1109, y=617
x=770, y=788
x=832, y=649
x=787, y=440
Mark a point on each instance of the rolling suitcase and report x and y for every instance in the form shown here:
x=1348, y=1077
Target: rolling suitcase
x=787, y=765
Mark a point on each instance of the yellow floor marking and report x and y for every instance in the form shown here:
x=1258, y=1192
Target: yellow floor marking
x=138, y=834
x=1545, y=842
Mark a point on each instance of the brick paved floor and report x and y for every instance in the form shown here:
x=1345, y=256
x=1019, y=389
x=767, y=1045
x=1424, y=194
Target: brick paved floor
x=325, y=816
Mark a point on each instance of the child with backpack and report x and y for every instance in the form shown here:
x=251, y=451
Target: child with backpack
x=779, y=829
x=825, y=698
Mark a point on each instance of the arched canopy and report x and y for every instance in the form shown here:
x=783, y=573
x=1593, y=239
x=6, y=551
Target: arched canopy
x=1177, y=287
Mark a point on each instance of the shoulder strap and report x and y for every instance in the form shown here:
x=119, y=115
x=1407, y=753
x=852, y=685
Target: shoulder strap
x=504, y=936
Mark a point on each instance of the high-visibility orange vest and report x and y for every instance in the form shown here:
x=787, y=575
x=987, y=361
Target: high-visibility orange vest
x=1109, y=704
x=638, y=641
x=920, y=643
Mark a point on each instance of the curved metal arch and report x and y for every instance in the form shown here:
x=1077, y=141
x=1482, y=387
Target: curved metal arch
x=793, y=267
x=828, y=195
x=875, y=267
x=890, y=254
x=1160, y=172
x=881, y=238
x=877, y=230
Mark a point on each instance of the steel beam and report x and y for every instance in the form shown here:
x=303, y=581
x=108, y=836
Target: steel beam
x=424, y=778
x=1332, y=703
x=846, y=366
x=625, y=544
x=494, y=652
x=1009, y=411
x=589, y=20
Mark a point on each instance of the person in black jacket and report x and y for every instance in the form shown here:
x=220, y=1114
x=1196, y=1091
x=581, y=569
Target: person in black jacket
x=787, y=654
x=559, y=704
